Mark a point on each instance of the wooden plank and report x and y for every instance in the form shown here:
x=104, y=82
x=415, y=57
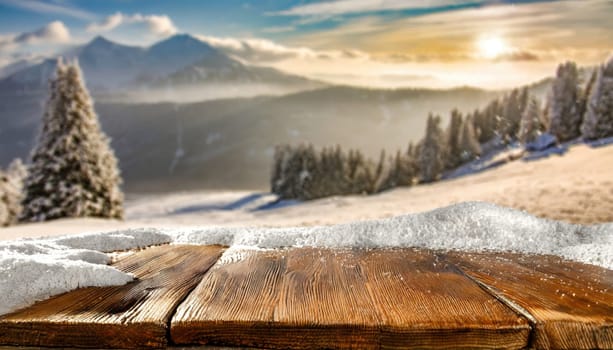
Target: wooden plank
x=570, y=304
x=130, y=316
x=320, y=298
x=425, y=302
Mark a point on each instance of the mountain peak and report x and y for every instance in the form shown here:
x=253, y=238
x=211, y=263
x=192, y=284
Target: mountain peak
x=180, y=40
x=182, y=36
x=99, y=40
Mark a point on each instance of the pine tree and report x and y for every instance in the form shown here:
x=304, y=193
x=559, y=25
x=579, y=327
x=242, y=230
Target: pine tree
x=411, y=157
x=359, y=173
x=598, y=122
x=486, y=121
x=545, y=116
x=454, y=133
x=432, y=151
x=514, y=105
x=6, y=216
x=565, y=111
x=469, y=144
x=398, y=171
x=532, y=124
x=73, y=171
x=277, y=180
x=11, y=184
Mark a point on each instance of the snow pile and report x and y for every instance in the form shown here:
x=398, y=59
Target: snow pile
x=32, y=270
x=115, y=240
x=470, y=226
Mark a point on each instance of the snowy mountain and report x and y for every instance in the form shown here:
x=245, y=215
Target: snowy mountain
x=108, y=64
x=30, y=79
x=16, y=66
x=215, y=68
x=172, y=63
x=181, y=50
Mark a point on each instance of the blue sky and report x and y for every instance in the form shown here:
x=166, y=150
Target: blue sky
x=273, y=18
x=366, y=39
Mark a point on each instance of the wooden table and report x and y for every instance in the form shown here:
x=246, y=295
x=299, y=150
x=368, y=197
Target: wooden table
x=304, y=298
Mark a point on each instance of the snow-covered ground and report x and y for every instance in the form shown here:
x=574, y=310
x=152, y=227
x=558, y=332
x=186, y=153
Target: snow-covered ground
x=576, y=187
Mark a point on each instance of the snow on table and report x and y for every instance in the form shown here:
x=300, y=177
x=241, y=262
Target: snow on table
x=32, y=270
x=35, y=269
x=134, y=315
x=313, y=297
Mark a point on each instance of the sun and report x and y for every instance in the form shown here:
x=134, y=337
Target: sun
x=491, y=46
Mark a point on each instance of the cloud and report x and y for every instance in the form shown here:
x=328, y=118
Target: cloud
x=53, y=33
x=262, y=51
x=399, y=57
x=339, y=7
x=160, y=25
x=537, y=31
x=518, y=55
x=280, y=29
x=49, y=8
x=107, y=24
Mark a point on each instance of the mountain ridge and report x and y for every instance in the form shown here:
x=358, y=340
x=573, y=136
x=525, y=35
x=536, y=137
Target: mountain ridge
x=110, y=66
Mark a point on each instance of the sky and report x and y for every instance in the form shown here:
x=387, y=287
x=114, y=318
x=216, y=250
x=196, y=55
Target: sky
x=382, y=43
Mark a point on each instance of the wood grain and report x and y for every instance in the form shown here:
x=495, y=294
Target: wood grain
x=320, y=298
x=570, y=304
x=129, y=316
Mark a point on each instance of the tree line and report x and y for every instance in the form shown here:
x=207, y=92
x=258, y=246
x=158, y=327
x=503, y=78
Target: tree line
x=573, y=110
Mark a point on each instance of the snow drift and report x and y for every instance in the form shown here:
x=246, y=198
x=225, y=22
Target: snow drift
x=31, y=270
x=469, y=226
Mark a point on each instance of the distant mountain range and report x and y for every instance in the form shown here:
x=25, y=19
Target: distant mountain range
x=177, y=63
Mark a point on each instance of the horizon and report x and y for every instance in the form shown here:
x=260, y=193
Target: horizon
x=329, y=84
x=442, y=44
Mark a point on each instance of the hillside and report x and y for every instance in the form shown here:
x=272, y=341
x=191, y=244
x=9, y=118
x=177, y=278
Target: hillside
x=228, y=143
x=534, y=186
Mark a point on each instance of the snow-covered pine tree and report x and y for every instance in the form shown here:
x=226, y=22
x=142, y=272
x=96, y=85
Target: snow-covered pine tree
x=431, y=151
x=73, y=171
x=17, y=171
x=514, y=105
x=398, y=172
x=359, y=173
x=532, y=124
x=309, y=177
x=5, y=212
x=469, y=144
x=565, y=103
x=278, y=168
x=453, y=134
x=486, y=121
x=598, y=121
x=545, y=116
x=11, y=183
x=411, y=157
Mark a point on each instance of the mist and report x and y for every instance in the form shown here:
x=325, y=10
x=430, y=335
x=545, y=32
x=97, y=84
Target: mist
x=200, y=93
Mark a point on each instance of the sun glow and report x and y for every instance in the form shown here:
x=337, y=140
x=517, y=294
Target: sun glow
x=491, y=46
